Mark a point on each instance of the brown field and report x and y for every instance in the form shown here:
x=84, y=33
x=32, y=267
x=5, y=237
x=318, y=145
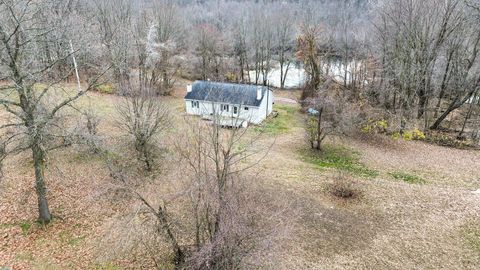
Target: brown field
x=394, y=224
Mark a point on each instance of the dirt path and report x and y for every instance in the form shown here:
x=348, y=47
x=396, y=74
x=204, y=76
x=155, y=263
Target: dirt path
x=283, y=100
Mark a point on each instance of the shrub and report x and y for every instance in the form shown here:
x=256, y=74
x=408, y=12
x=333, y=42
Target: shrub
x=89, y=130
x=343, y=186
x=315, y=136
x=231, y=77
x=409, y=135
x=143, y=118
x=106, y=88
x=375, y=126
x=414, y=134
x=396, y=135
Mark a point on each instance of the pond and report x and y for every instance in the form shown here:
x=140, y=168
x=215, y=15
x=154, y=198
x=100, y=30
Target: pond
x=296, y=75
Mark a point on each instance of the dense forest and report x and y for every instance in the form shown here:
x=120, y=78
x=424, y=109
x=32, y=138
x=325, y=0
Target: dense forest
x=412, y=60
x=405, y=69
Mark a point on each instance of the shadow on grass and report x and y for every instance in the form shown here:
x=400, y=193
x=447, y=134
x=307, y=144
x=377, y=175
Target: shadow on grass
x=340, y=158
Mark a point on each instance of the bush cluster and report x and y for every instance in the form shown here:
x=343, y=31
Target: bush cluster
x=410, y=135
x=344, y=187
x=106, y=88
x=375, y=126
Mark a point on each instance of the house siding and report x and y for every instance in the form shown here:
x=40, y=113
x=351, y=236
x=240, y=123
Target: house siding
x=254, y=115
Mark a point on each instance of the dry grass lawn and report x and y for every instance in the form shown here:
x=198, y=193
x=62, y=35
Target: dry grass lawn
x=394, y=224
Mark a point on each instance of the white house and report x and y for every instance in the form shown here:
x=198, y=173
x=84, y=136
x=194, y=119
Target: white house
x=236, y=104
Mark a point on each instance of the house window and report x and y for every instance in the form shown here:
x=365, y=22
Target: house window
x=225, y=107
x=195, y=104
x=235, y=109
x=246, y=108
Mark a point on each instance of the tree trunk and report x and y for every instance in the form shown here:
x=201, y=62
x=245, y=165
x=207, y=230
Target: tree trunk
x=319, y=130
x=284, y=76
x=457, y=103
x=179, y=255
x=468, y=115
x=39, y=164
x=453, y=106
x=422, y=98
x=281, y=73
x=242, y=71
x=443, y=86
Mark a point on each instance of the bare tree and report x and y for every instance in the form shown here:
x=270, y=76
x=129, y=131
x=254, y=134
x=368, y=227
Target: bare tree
x=34, y=109
x=157, y=37
x=460, y=82
x=411, y=50
x=143, y=118
x=240, y=48
x=329, y=114
x=214, y=160
x=209, y=47
x=162, y=225
x=166, y=40
x=217, y=158
x=114, y=19
x=283, y=24
x=262, y=44
x=307, y=51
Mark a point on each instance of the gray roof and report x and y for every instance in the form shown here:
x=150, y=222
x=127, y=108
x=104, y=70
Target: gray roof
x=226, y=92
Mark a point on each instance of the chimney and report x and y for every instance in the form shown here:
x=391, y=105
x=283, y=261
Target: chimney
x=259, y=92
x=189, y=88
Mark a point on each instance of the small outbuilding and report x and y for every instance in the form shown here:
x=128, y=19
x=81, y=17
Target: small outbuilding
x=240, y=104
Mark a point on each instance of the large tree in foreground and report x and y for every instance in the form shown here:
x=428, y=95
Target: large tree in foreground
x=33, y=108
x=220, y=224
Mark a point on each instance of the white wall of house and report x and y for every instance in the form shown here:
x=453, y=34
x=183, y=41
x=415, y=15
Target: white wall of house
x=266, y=107
x=250, y=114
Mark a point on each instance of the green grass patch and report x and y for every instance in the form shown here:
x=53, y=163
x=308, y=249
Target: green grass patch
x=105, y=266
x=75, y=240
x=341, y=158
x=70, y=239
x=87, y=157
x=25, y=226
x=24, y=256
x=44, y=265
x=472, y=237
x=407, y=177
x=280, y=124
x=7, y=225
